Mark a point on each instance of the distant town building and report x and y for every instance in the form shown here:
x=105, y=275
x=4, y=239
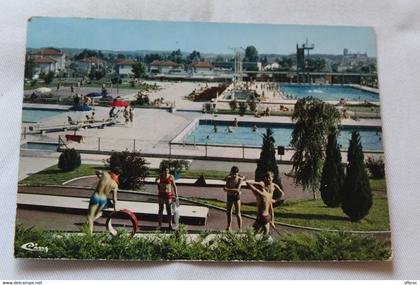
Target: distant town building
x=86, y=64
x=125, y=67
x=202, y=68
x=46, y=60
x=345, y=52
x=165, y=67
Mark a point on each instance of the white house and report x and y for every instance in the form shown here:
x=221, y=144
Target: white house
x=46, y=60
x=202, y=68
x=125, y=67
x=165, y=67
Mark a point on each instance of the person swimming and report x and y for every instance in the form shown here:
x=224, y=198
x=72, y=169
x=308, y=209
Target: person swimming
x=254, y=128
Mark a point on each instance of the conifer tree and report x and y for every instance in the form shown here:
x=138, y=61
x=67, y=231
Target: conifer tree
x=267, y=160
x=332, y=178
x=356, y=194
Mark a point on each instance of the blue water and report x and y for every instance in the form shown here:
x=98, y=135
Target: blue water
x=40, y=146
x=371, y=138
x=36, y=115
x=329, y=92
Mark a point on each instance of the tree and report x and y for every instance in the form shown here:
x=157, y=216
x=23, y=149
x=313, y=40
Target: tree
x=148, y=58
x=29, y=69
x=251, y=54
x=194, y=56
x=139, y=70
x=356, y=194
x=48, y=78
x=314, y=119
x=133, y=168
x=332, y=178
x=315, y=64
x=176, y=56
x=267, y=160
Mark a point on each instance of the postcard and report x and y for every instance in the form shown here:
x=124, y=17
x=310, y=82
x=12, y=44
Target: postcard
x=151, y=140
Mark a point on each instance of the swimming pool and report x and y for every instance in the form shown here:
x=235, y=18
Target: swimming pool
x=371, y=138
x=40, y=146
x=30, y=115
x=328, y=92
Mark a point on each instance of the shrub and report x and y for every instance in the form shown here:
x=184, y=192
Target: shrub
x=356, y=194
x=133, y=168
x=218, y=246
x=242, y=108
x=175, y=165
x=69, y=160
x=233, y=105
x=376, y=168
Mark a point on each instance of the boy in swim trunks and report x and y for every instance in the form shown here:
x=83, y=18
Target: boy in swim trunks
x=108, y=181
x=166, y=191
x=233, y=190
x=263, y=191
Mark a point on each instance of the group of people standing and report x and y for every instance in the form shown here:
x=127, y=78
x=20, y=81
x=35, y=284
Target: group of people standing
x=168, y=194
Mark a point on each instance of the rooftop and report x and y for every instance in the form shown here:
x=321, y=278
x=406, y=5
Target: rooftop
x=48, y=51
x=164, y=63
x=44, y=60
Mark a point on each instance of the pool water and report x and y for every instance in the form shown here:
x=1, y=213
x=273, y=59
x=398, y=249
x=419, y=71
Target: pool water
x=36, y=115
x=371, y=138
x=40, y=146
x=328, y=92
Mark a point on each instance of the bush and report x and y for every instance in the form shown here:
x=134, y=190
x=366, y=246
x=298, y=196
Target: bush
x=175, y=165
x=69, y=160
x=242, y=108
x=219, y=246
x=376, y=168
x=133, y=168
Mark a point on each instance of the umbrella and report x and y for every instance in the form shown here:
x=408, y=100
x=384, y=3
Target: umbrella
x=42, y=90
x=119, y=104
x=94, y=94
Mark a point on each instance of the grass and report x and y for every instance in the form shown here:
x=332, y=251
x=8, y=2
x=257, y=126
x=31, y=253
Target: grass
x=55, y=176
x=313, y=213
x=222, y=246
x=377, y=184
x=194, y=173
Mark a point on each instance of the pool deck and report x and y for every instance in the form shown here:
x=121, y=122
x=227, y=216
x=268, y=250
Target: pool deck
x=153, y=129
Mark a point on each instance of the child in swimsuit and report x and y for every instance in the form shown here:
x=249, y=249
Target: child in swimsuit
x=166, y=191
x=108, y=182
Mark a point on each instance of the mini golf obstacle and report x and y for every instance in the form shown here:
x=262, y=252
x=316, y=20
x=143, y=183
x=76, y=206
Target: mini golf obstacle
x=191, y=215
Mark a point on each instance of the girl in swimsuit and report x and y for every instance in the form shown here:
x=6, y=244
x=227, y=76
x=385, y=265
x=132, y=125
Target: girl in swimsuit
x=166, y=191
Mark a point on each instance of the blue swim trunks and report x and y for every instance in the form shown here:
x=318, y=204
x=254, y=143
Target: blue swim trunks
x=95, y=200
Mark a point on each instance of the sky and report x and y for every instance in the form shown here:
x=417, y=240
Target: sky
x=130, y=35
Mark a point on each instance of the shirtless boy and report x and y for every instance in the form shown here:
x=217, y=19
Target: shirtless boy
x=108, y=181
x=263, y=191
x=232, y=188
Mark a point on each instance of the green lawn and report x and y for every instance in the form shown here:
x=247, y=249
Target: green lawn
x=377, y=184
x=55, y=176
x=313, y=213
